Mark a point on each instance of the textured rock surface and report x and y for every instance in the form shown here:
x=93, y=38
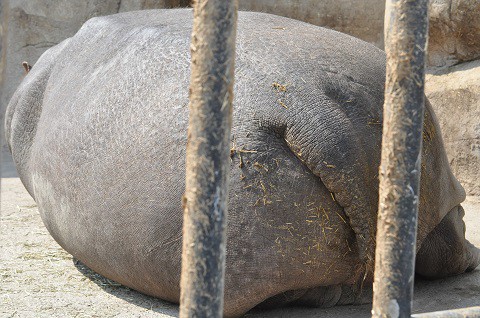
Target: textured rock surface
x=455, y=96
x=1, y=41
x=454, y=31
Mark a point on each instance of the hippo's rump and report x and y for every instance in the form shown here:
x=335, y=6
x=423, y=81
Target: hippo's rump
x=98, y=134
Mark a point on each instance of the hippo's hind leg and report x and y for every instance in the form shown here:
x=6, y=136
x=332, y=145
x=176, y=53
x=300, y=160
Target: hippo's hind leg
x=321, y=297
x=445, y=251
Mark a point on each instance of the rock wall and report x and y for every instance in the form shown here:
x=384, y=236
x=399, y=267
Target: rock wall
x=2, y=164
x=454, y=31
x=2, y=18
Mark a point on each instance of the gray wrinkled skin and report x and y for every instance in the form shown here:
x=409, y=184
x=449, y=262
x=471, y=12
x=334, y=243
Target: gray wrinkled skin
x=98, y=133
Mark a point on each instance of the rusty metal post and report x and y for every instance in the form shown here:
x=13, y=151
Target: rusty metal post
x=208, y=165
x=406, y=26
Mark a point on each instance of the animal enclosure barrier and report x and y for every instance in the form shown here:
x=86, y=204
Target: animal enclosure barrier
x=406, y=27
x=208, y=150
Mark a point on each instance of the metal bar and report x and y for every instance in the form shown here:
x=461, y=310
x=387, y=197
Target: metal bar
x=471, y=312
x=208, y=166
x=406, y=26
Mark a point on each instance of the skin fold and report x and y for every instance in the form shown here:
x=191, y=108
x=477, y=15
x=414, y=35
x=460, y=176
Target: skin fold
x=97, y=130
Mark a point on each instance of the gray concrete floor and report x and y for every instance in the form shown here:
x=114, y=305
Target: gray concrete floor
x=39, y=279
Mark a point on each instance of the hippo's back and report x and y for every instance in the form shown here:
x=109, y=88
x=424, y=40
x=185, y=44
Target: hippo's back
x=98, y=133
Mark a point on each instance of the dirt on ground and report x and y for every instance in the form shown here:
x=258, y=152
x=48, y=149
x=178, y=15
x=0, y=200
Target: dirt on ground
x=39, y=279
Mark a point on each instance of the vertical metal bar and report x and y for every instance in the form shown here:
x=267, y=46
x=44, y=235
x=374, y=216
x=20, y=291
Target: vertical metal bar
x=406, y=26
x=208, y=166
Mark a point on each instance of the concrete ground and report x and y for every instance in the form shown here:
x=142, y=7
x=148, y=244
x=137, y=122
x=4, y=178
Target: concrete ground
x=40, y=279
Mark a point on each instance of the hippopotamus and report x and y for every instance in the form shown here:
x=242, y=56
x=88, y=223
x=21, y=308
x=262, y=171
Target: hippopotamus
x=98, y=131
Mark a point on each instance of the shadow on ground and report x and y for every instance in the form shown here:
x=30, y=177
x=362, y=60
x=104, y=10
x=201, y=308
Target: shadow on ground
x=170, y=309
x=430, y=295
x=127, y=294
